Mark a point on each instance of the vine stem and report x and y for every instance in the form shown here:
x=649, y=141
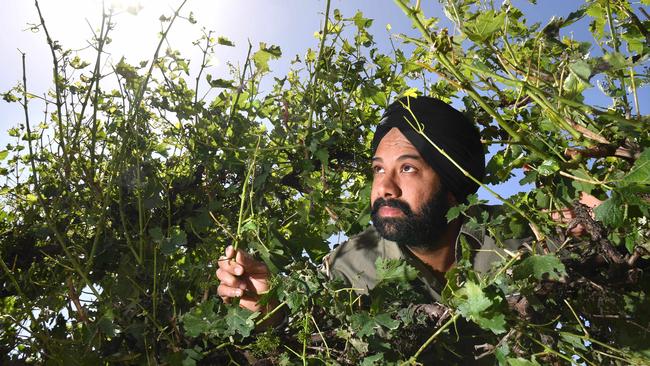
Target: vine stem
x=590, y=181
x=575, y=315
x=318, y=59
x=413, y=359
x=57, y=89
x=270, y=313
x=21, y=294
x=534, y=91
x=327, y=348
x=13, y=281
x=634, y=93
x=154, y=61
x=304, y=341
x=50, y=223
x=604, y=345
x=198, y=76
x=233, y=109
x=550, y=350
x=616, y=43
x=515, y=257
x=242, y=197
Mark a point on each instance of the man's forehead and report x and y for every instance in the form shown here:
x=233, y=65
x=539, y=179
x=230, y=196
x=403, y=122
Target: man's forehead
x=396, y=147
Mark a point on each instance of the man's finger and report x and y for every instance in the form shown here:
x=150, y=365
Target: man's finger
x=227, y=291
x=230, y=251
x=231, y=266
x=250, y=264
x=230, y=280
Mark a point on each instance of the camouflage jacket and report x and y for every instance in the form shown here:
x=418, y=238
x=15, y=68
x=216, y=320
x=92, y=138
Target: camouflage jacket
x=354, y=260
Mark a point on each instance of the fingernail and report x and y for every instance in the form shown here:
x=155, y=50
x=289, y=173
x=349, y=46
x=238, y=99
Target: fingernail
x=239, y=271
x=238, y=292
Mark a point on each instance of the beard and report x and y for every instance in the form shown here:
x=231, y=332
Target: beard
x=419, y=231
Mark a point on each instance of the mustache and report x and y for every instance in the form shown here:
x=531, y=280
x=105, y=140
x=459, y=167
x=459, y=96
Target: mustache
x=381, y=202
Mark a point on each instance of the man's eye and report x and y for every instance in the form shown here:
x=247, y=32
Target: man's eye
x=408, y=169
x=377, y=169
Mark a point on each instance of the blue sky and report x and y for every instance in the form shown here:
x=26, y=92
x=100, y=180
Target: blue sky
x=289, y=24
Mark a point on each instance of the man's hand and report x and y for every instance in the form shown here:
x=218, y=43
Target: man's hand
x=568, y=216
x=242, y=276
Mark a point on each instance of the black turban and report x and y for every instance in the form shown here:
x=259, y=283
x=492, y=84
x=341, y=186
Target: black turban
x=447, y=128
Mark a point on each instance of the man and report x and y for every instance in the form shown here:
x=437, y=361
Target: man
x=413, y=187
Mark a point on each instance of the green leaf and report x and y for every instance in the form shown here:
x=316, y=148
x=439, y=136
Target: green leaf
x=77, y=63
x=156, y=234
x=31, y=198
x=522, y=362
x=598, y=13
x=453, y=213
x=261, y=58
x=249, y=225
x=10, y=97
x=537, y=266
x=485, y=25
x=634, y=38
x=192, y=355
x=640, y=172
x=106, y=323
x=374, y=359
x=219, y=83
x=501, y=353
x=573, y=85
x=582, y=70
x=13, y=132
x=496, y=323
x=581, y=186
x=610, y=212
x=169, y=245
x=125, y=70
x=475, y=305
x=225, y=42
x=322, y=155
x=476, y=299
x=178, y=237
x=360, y=21
x=548, y=167
x=202, y=319
x=410, y=92
x=386, y=321
x=394, y=270
x=366, y=324
x=240, y=320
x=616, y=60
x=3, y=154
x=363, y=323
x=294, y=299
x=575, y=341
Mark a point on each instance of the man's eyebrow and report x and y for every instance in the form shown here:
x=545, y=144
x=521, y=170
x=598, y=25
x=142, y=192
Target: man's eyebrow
x=402, y=157
x=409, y=156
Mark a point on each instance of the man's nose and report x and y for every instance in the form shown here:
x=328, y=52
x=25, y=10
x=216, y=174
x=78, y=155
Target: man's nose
x=388, y=187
